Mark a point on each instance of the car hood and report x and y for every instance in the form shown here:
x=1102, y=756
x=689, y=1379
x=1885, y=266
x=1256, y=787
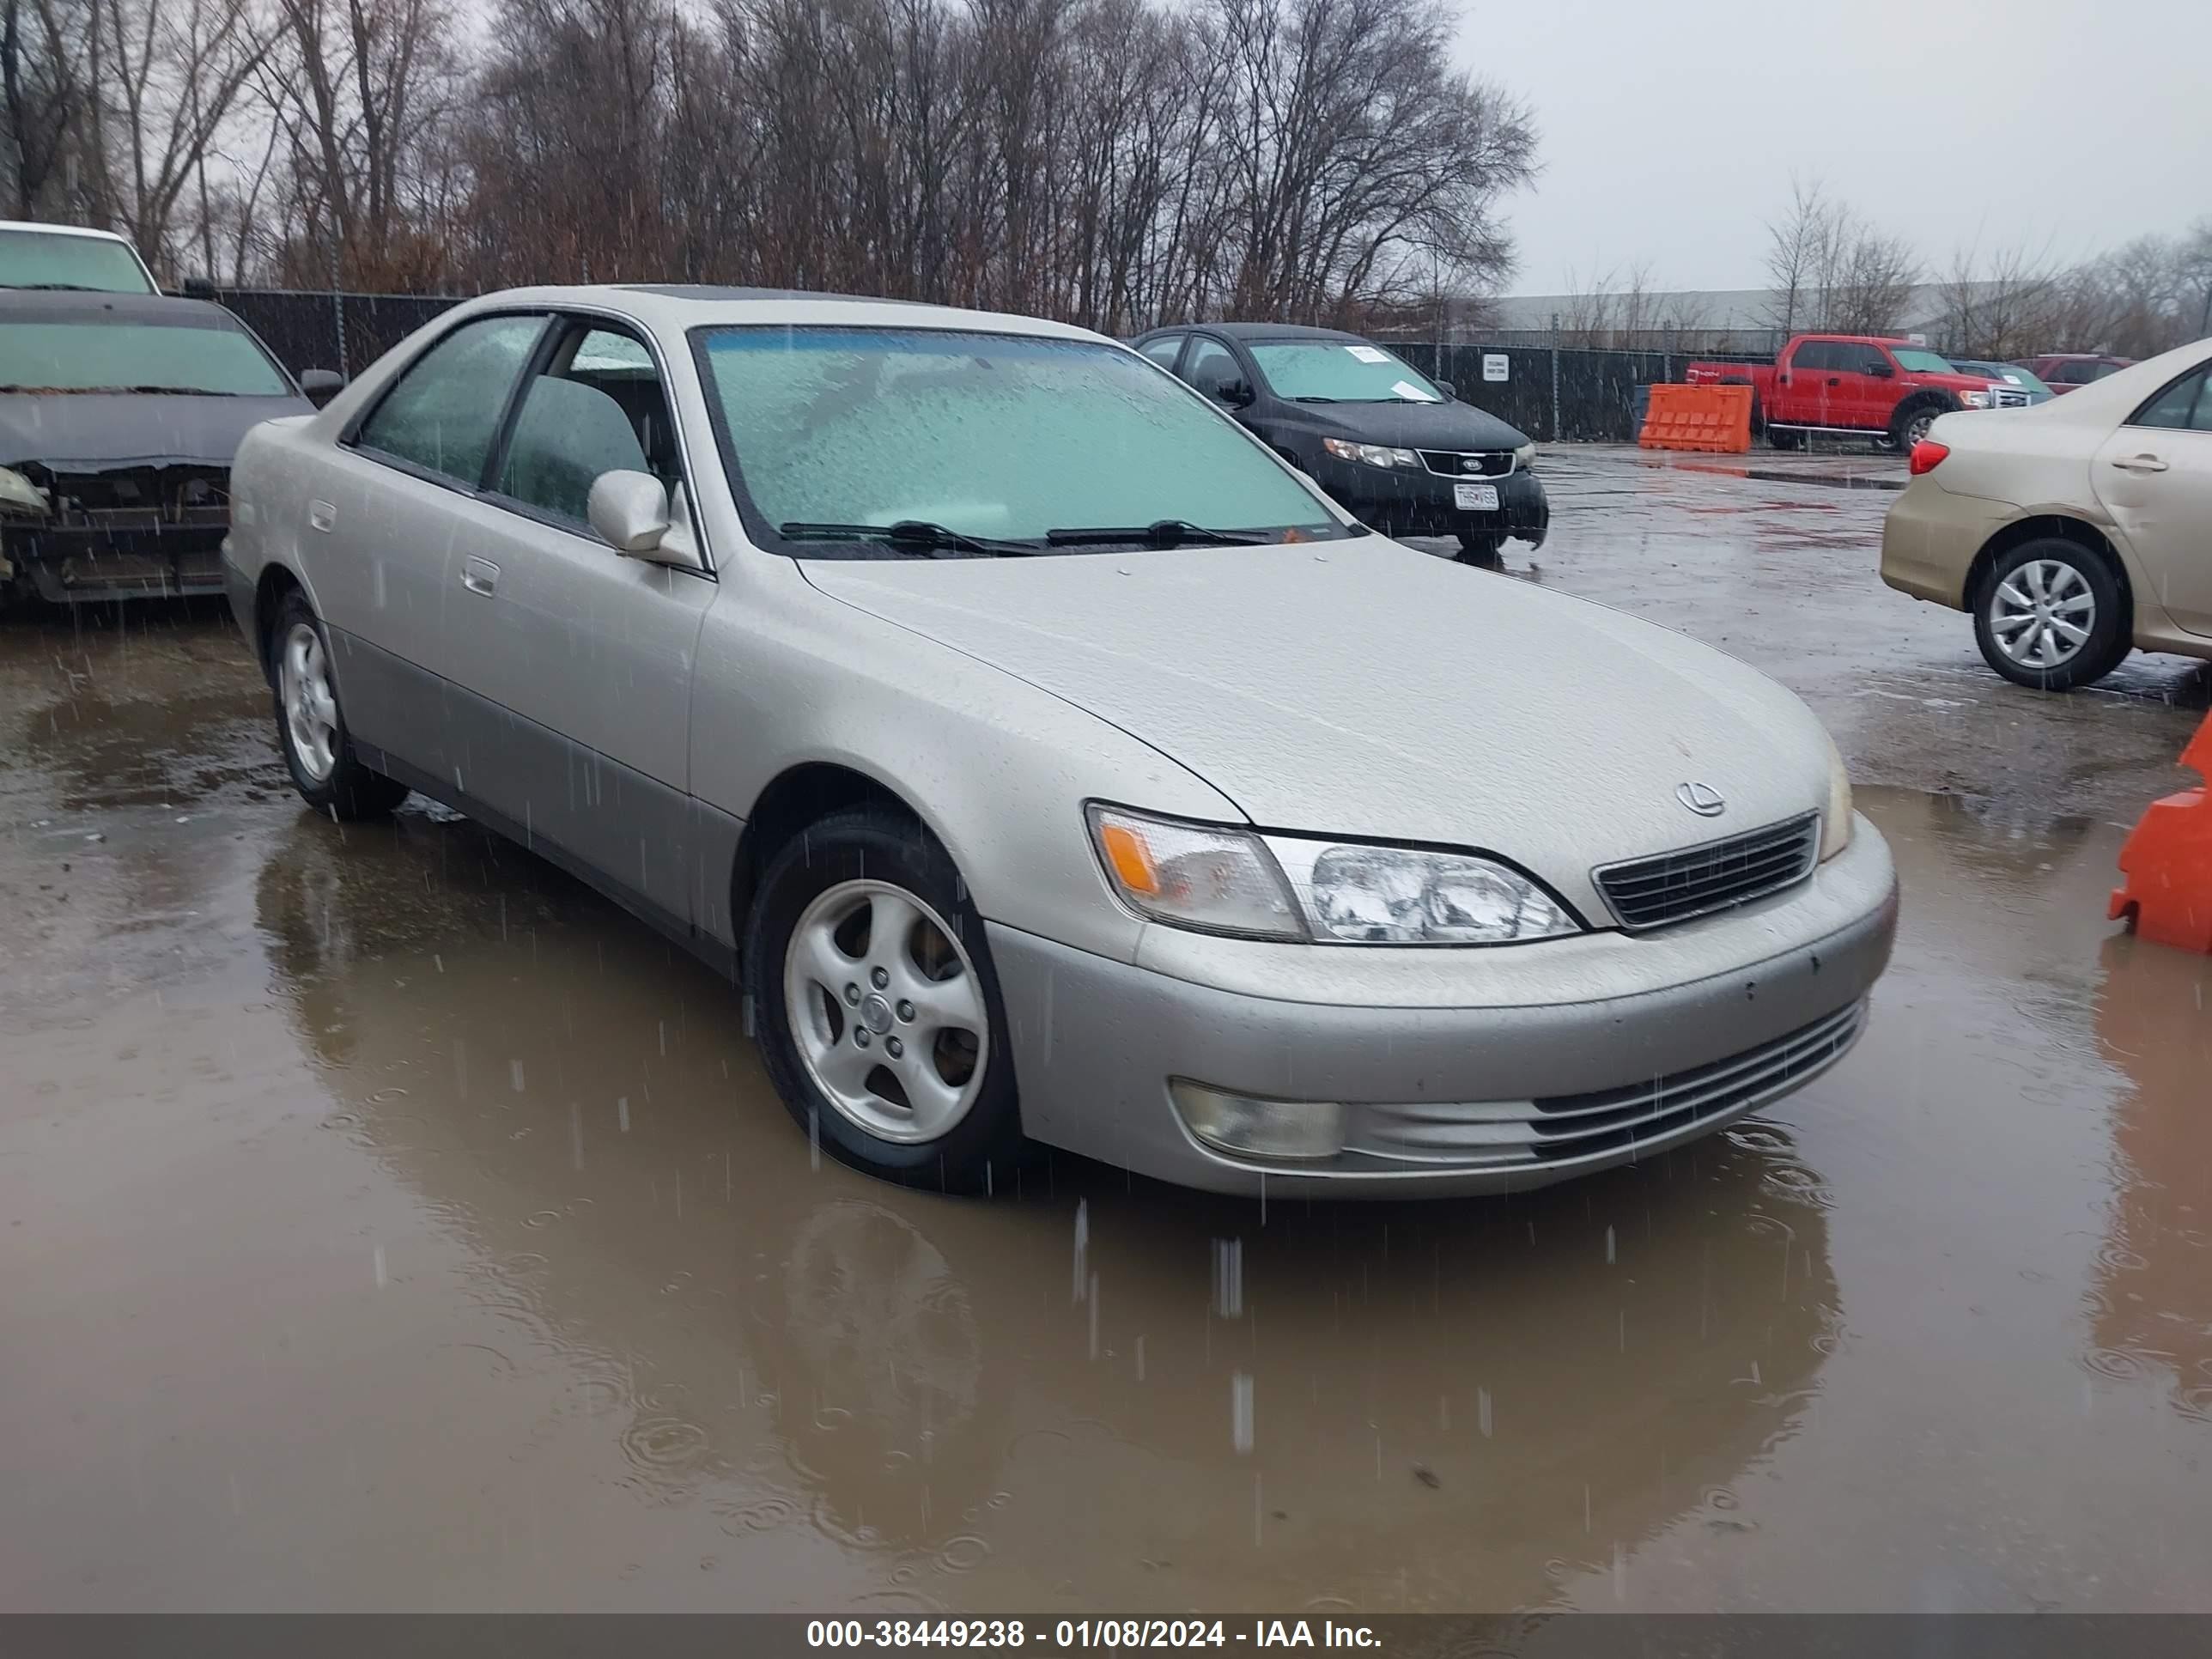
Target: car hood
x=94, y=431
x=1413, y=426
x=1361, y=689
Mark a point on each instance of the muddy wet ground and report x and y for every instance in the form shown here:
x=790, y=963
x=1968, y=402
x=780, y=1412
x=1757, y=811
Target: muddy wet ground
x=386, y=1221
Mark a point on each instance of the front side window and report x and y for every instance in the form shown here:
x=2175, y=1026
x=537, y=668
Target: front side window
x=1162, y=350
x=91, y=355
x=36, y=259
x=2180, y=407
x=1003, y=436
x=1212, y=367
x=1341, y=372
x=445, y=411
x=597, y=411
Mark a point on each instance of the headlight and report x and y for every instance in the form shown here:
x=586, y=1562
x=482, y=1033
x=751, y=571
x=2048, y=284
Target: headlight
x=1525, y=457
x=1835, y=822
x=1222, y=880
x=19, y=494
x=1975, y=399
x=1361, y=895
x=1193, y=875
x=1372, y=454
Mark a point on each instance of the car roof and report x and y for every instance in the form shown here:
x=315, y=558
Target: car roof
x=64, y=230
x=1262, y=330
x=672, y=307
x=74, y=304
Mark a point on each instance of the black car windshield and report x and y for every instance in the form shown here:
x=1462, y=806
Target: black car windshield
x=999, y=437
x=1921, y=362
x=1342, y=372
x=47, y=259
x=109, y=357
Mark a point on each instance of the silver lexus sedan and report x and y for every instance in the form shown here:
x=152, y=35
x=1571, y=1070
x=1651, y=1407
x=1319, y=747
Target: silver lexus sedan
x=1178, y=820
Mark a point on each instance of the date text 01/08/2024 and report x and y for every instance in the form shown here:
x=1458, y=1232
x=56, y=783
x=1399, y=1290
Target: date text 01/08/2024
x=1086, y=1634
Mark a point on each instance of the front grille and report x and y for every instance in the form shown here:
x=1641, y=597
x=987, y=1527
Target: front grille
x=2008, y=396
x=1698, y=880
x=1453, y=463
x=1491, y=1135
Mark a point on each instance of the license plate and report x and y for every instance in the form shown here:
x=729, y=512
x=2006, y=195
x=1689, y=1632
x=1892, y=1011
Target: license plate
x=1475, y=498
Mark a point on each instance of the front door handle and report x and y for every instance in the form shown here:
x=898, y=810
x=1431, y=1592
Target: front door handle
x=2139, y=463
x=479, y=575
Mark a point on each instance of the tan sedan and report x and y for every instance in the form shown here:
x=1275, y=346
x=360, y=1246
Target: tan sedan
x=2073, y=532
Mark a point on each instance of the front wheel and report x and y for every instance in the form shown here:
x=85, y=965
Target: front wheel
x=311, y=729
x=877, y=1006
x=2050, y=615
x=1480, y=547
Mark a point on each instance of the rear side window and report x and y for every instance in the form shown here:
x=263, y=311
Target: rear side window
x=1815, y=354
x=2182, y=406
x=444, y=413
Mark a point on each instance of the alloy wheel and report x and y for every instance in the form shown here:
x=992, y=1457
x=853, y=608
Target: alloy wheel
x=2042, y=614
x=311, y=710
x=886, y=1011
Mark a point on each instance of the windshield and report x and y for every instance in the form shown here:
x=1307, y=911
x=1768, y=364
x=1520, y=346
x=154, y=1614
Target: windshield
x=1921, y=362
x=98, y=357
x=2021, y=377
x=1002, y=437
x=1341, y=371
x=32, y=258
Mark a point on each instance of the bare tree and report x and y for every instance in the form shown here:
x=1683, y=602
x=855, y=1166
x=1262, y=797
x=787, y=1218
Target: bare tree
x=43, y=45
x=356, y=91
x=1997, y=306
x=1795, y=245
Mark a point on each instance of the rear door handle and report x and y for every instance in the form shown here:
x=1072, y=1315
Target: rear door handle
x=479, y=575
x=2139, y=463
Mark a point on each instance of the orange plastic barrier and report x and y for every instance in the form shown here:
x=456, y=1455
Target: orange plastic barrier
x=1715, y=419
x=2168, y=861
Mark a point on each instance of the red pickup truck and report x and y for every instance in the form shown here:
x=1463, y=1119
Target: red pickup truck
x=1858, y=383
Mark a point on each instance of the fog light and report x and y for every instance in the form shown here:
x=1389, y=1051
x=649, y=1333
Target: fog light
x=1247, y=1128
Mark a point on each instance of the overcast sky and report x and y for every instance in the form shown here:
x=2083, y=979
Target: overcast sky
x=1669, y=131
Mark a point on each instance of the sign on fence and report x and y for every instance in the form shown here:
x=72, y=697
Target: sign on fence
x=1496, y=366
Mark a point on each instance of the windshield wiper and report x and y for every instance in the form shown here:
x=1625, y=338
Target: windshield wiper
x=52, y=287
x=915, y=535
x=1161, y=532
x=1315, y=397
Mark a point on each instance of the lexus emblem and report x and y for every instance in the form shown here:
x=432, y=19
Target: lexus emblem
x=1702, y=798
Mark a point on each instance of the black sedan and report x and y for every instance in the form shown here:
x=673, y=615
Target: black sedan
x=1394, y=447
x=119, y=414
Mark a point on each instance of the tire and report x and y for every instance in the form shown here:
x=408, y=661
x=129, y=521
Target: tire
x=1783, y=437
x=2068, y=574
x=311, y=728
x=965, y=1132
x=1479, y=546
x=1910, y=424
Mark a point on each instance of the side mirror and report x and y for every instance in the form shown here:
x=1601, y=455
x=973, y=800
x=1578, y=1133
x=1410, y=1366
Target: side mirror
x=1450, y=391
x=1880, y=368
x=1236, y=394
x=630, y=510
x=319, y=385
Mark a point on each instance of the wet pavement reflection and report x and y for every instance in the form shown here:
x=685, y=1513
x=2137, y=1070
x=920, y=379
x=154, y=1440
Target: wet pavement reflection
x=388, y=1221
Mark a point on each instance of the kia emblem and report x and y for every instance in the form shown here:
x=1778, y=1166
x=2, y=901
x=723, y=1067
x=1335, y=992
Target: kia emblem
x=1702, y=798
